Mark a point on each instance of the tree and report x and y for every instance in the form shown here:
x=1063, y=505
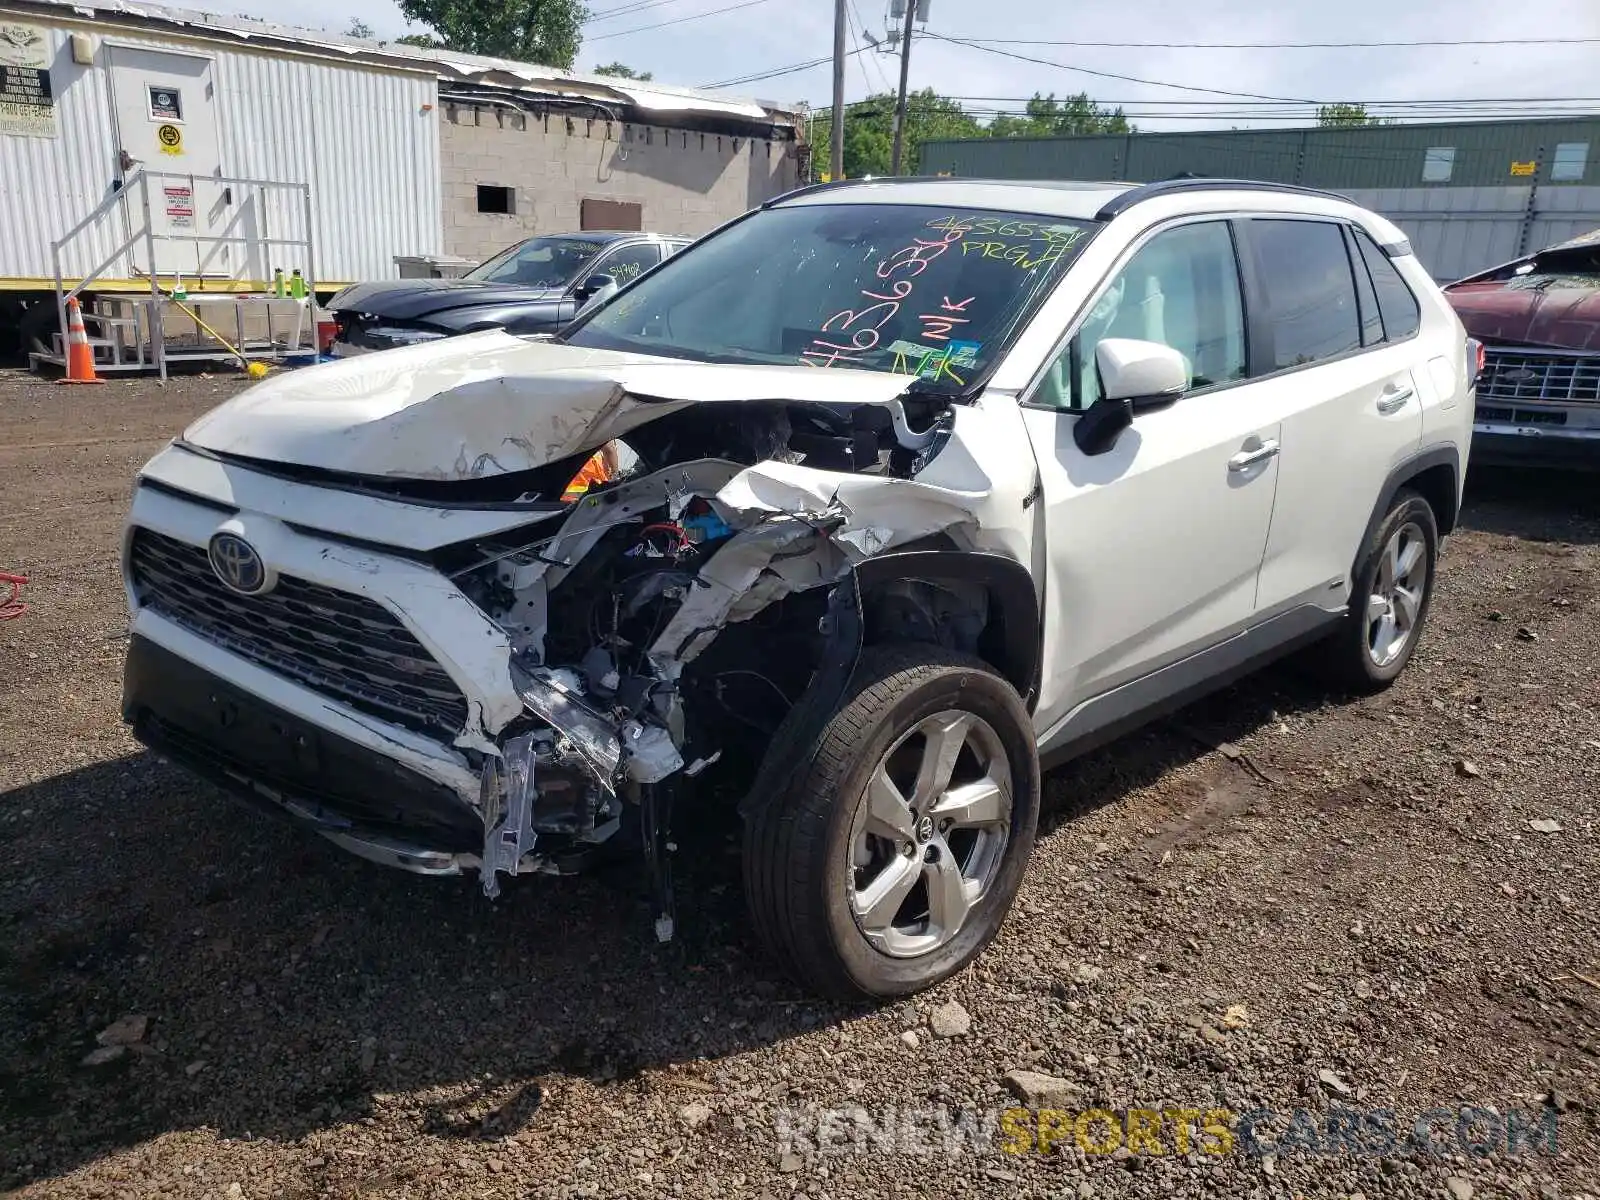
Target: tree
x=869, y=130
x=1333, y=115
x=536, y=31
x=1047, y=117
x=619, y=70
x=358, y=29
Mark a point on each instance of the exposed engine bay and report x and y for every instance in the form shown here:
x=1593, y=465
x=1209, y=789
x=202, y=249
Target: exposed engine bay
x=666, y=626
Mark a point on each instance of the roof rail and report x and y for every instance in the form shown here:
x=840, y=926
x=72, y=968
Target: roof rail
x=1167, y=187
x=812, y=188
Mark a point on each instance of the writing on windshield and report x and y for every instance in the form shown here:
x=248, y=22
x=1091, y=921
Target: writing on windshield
x=895, y=284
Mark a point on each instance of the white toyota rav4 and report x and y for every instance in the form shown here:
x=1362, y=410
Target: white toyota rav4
x=926, y=485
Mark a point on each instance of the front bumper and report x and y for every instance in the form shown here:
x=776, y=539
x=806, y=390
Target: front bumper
x=361, y=799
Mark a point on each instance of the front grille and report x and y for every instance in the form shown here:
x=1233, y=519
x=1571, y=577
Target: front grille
x=341, y=645
x=1554, y=378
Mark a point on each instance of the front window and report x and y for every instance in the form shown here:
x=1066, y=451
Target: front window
x=543, y=262
x=921, y=290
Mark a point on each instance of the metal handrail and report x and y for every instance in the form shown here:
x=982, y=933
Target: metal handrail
x=147, y=234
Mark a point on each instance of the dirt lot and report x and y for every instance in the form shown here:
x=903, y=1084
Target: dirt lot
x=1346, y=908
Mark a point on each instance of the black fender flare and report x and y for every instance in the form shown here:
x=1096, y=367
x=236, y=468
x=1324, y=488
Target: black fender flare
x=1403, y=473
x=1016, y=649
x=1017, y=646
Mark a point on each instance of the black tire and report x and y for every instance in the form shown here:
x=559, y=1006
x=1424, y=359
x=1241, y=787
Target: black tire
x=1345, y=658
x=798, y=843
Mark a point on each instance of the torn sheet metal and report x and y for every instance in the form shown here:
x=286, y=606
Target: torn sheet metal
x=489, y=403
x=877, y=512
x=507, y=798
x=724, y=582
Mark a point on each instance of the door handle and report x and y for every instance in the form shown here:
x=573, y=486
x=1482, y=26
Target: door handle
x=1246, y=459
x=1394, y=399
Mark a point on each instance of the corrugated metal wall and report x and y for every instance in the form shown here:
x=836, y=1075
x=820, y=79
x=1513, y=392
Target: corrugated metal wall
x=1365, y=156
x=1482, y=217
x=366, y=140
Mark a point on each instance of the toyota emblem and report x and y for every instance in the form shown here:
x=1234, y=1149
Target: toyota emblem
x=237, y=564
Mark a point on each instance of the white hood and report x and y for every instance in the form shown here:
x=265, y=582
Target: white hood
x=491, y=403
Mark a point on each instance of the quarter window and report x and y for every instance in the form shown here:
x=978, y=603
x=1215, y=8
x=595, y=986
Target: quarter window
x=1180, y=289
x=1401, y=314
x=1311, y=311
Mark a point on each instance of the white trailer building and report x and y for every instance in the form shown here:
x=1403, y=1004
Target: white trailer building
x=141, y=145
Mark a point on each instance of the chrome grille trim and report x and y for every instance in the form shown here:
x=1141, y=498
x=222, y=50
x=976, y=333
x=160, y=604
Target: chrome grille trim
x=1539, y=376
x=341, y=645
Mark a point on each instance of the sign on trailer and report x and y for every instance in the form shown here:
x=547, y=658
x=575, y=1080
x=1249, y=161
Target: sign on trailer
x=27, y=102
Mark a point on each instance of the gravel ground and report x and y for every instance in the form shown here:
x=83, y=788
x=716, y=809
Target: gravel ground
x=1276, y=901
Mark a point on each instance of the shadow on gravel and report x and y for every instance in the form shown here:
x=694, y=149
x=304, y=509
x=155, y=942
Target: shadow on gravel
x=1539, y=505
x=287, y=985
x=1144, y=756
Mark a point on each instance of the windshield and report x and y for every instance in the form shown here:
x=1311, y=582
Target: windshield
x=544, y=262
x=930, y=291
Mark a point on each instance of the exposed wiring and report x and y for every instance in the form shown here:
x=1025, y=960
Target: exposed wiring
x=11, y=605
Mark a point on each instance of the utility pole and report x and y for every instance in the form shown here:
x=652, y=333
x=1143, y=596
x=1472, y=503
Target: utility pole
x=836, y=129
x=900, y=100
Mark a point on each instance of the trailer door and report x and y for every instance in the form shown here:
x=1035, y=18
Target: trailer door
x=166, y=116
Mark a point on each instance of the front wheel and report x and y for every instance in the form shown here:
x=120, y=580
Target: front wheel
x=891, y=861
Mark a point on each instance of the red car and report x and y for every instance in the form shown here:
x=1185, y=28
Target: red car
x=1539, y=321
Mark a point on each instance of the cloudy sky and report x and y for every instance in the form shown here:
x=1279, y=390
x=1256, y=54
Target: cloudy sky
x=1529, y=51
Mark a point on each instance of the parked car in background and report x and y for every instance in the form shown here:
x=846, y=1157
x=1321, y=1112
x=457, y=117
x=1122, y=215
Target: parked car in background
x=535, y=286
x=1538, y=318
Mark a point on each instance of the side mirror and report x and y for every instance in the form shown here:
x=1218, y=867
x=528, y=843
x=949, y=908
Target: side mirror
x=593, y=289
x=1135, y=377
x=1148, y=374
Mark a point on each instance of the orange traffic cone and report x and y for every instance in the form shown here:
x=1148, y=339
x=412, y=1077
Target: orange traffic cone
x=80, y=355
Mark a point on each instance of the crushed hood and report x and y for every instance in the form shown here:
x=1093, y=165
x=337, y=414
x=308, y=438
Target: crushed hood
x=1558, y=316
x=491, y=403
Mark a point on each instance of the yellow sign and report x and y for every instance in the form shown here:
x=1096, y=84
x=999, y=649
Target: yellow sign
x=1524, y=168
x=171, y=139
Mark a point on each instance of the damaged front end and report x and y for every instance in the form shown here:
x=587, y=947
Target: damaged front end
x=667, y=623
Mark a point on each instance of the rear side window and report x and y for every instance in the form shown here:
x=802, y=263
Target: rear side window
x=1311, y=312
x=1401, y=314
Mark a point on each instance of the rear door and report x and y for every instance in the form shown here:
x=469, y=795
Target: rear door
x=1344, y=383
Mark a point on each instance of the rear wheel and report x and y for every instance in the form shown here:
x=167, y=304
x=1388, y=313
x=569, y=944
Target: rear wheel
x=890, y=863
x=1393, y=587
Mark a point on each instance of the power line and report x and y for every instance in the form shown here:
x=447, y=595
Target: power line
x=715, y=12
x=1279, y=45
x=623, y=10
x=778, y=71
x=1182, y=87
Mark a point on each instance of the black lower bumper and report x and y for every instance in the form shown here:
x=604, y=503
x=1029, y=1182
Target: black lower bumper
x=1521, y=450
x=283, y=763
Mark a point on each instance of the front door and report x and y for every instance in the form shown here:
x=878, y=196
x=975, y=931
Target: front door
x=1153, y=547
x=166, y=116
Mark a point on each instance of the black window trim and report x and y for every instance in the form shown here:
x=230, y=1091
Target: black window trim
x=1360, y=270
x=1257, y=333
